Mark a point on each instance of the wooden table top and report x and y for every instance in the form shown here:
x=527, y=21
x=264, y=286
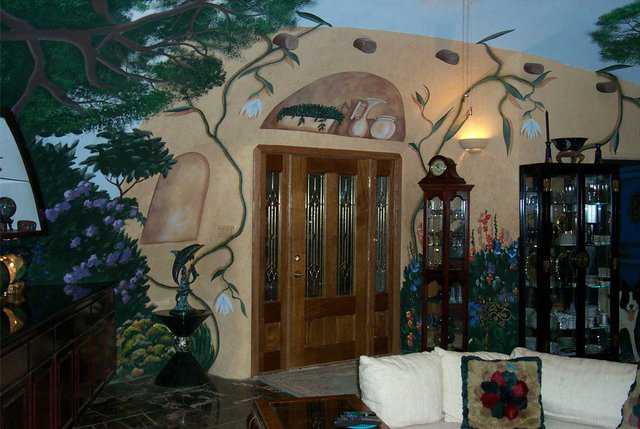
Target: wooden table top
x=303, y=413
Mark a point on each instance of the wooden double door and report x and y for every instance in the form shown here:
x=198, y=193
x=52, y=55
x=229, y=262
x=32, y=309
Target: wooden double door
x=325, y=256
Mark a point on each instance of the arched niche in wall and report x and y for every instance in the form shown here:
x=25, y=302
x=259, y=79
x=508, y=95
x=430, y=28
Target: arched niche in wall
x=369, y=105
x=178, y=201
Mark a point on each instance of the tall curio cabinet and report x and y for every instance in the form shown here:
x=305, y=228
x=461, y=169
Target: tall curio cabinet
x=445, y=248
x=569, y=259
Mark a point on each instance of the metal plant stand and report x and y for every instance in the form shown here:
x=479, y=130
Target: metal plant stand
x=182, y=370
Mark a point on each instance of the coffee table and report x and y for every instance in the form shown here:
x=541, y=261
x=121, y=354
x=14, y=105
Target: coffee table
x=303, y=413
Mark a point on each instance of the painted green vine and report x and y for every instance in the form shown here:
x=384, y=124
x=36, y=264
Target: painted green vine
x=614, y=135
x=460, y=115
x=254, y=67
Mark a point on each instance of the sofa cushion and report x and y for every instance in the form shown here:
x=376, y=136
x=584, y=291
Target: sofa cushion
x=501, y=394
x=579, y=390
x=631, y=407
x=402, y=390
x=452, y=380
x=549, y=423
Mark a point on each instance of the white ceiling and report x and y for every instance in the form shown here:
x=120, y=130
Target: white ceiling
x=556, y=29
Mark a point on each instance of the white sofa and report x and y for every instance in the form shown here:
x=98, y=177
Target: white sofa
x=424, y=390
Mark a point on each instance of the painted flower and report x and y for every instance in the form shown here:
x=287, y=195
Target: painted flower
x=223, y=304
x=100, y=203
x=63, y=206
x=93, y=261
x=75, y=242
x=90, y=231
x=118, y=224
x=108, y=220
x=112, y=258
x=252, y=108
x=474, y=313
x=530, y=128
x=126, y=255
x=51, y=214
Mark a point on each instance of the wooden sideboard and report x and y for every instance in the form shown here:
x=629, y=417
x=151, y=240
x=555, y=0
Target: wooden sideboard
x=52, y=367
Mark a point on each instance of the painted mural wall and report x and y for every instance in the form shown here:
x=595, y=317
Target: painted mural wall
x=576, y=109
x=200, y=190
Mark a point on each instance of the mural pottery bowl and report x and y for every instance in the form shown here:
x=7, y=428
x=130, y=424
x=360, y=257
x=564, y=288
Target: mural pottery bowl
x=383, y=127
x=569, y=143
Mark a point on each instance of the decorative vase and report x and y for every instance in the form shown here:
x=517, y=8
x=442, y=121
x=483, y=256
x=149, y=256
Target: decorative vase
x=383, y=127
x=359, y=125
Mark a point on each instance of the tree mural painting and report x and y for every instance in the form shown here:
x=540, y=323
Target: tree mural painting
x=73, y=67
x=618, y=34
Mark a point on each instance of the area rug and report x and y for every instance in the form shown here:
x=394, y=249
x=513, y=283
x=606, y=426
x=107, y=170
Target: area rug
x=331, y=379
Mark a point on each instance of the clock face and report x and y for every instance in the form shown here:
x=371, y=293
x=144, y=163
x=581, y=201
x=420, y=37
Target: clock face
x=438, y=167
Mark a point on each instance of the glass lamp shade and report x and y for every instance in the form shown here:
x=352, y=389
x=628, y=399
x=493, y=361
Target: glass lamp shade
x=20, y=207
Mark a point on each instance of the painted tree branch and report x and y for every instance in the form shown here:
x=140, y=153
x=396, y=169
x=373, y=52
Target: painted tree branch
x=23, y=31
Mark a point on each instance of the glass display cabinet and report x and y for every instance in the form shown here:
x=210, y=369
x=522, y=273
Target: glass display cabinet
x=569, y=259
x=445, y=248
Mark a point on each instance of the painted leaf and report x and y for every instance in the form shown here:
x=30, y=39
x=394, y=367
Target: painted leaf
x=179, y=109
x=293, y=56
x=540, y=105
x=218, y=273
x=440, y=121
x=616, y=141
x=513, y=90
x=546, y=81
x=537, y=81
x=636, y=101
x=454, y=130
x=243, y=308
x=313, y=18
x=414, y=147
x=268, y=85
x=182, y=257
x=421, y=99
x=513, y=101
x=613, y=68
x=506, y=133
x=495, y=36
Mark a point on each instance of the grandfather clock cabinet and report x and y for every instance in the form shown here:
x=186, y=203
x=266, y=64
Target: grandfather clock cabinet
x=445, y=248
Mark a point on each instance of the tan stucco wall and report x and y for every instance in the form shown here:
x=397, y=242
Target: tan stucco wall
x=407, y=61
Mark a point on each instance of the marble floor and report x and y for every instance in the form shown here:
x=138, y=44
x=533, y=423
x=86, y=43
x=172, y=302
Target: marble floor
x=223, y=404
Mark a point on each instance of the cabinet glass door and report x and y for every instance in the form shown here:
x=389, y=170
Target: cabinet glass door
x=434, y=217
x=563, y=273
x=532, y=201
x=457, y=226
x=597, y=239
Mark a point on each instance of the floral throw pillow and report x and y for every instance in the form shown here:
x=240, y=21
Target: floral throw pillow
x=502, y=394
x=631, y=407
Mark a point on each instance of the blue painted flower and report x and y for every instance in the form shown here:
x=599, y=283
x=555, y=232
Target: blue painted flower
x=530, y=128
x=108, y=220
x=100, y=203
x=491, y=268
x=126, y=255
x=62, y=207
x=88, y=203
x=133, y=212
x=119, y=207
x=112, y=258
x=497, y=247
x=252, y=108
x=111, y=204
x=51, y=214
x=75, y=242
x=93, y=261
x=223, y=304
x=474, y=313
x=90, y=231
x=118, y=224
x=124, y=296
x=512, y=253
x=69, y=278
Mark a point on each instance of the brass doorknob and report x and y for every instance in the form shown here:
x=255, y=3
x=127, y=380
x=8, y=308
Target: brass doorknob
x=297, y=258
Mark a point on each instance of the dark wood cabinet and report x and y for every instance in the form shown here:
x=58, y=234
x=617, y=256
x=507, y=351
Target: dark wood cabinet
x=52, y=368
x=569, y=259
x=445, y=249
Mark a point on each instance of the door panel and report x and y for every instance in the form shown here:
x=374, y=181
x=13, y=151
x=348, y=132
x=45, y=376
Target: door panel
x=326, y=251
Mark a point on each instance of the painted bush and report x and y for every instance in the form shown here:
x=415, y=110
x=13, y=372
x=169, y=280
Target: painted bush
x=411, y=314
x=493, y=288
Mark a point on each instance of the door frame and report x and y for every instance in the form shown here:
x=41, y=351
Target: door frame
x=260, y=154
